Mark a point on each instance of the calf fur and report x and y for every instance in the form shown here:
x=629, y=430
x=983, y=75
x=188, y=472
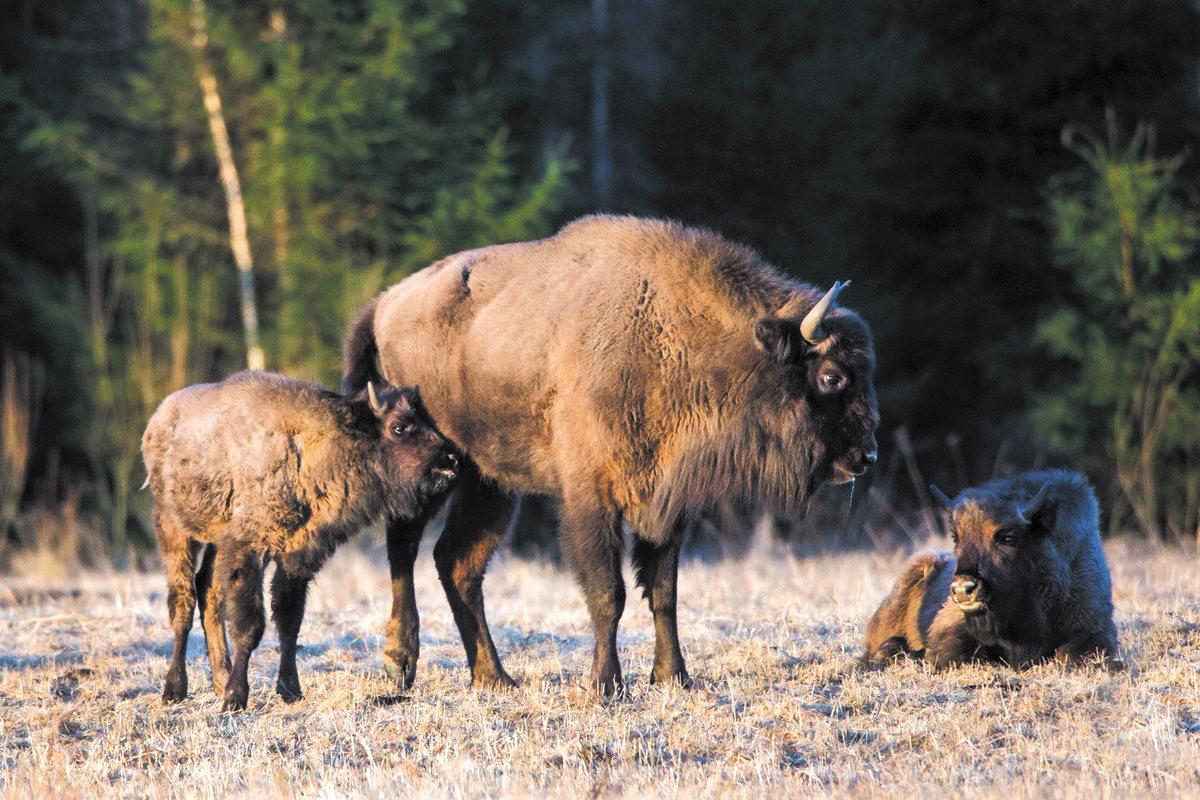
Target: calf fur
x=264, y=468
x=1027, y=581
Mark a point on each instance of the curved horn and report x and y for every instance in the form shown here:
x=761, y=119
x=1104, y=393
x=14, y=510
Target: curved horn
x=1031, y=506
x=810, y=327
x=940, y=496
x=376, y=406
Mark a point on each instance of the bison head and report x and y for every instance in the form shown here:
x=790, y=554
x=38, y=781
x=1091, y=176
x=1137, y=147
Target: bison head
x=415, y=457
x=1001, y=548
x=819, y=382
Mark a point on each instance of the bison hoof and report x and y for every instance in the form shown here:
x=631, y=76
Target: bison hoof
x=176, y=689
x=235, y=700
x=671, y=677
x=219, y=679
x=496, y=680
x=401, y=668
x=609, y=687
x=289, y=691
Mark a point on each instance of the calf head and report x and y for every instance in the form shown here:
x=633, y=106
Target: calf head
x=999, y=549
x=416, y=458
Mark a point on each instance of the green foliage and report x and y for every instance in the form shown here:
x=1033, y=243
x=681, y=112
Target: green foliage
x=1126, y=403
x=358, y=162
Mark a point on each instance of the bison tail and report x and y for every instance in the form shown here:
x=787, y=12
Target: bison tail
x=359, y=352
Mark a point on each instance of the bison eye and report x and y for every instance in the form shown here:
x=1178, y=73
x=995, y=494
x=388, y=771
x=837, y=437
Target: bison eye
x=404, y=430
x=831, y=382
x=1006, y=539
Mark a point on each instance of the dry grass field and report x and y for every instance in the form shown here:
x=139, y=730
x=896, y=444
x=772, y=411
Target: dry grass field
x=780, y=707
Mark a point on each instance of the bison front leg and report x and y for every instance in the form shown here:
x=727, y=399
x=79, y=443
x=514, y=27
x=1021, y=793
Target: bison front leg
x=474, y=529
x=1088, y=649
x=404, y=627
x=657, y=569
x=288, y=594
x=591, y=539
x=239, y=576
x=950, y=640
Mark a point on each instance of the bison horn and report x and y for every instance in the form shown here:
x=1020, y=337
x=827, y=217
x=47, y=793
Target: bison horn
x=940, y=496
x=1031, y=506
x=376, y=406
x=810, y=327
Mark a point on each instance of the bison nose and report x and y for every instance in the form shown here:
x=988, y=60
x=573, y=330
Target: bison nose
x=860, y=460
x=964, y=590
x=448, y=461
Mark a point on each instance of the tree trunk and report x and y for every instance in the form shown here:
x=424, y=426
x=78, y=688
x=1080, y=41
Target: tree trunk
x=239, y=241
x=602, y=160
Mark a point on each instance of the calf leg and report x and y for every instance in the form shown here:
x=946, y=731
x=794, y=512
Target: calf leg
x=404, y=627
x=474, y=529
x=657, y=569
x=287, y=609
x=950, y=640
x=179, y=559
x=239, y=575
x=591, y=539
x=208, y=596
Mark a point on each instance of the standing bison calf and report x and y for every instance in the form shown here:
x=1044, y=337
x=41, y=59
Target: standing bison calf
x=266, y=468
x=1027, y=580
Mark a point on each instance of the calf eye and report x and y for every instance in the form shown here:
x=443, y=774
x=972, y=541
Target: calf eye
x=1006, y=538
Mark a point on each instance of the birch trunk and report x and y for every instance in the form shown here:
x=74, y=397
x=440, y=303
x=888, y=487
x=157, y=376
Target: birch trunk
x=239, y=240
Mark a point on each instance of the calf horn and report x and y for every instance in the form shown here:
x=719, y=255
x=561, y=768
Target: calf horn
x=810, y=327
x=1030, y=507
x=376, y=406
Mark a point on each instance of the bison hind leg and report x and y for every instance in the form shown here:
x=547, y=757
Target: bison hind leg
x=657, y=568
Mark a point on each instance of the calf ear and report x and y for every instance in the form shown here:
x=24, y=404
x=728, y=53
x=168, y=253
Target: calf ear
x=778, y=337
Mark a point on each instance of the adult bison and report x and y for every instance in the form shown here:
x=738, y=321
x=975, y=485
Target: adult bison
x=636, y=369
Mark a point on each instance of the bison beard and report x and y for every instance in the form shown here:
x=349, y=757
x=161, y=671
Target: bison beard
x=638, y=371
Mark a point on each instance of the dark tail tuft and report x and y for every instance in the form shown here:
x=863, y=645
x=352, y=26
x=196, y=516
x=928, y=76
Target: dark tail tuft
x=359, y=352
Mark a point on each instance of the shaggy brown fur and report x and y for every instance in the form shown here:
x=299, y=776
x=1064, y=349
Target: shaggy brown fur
x=635, y=369
x=1027, y=581
x=266, y=468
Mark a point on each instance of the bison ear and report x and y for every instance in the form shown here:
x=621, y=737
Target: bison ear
x=779, y=338
x=938, y=495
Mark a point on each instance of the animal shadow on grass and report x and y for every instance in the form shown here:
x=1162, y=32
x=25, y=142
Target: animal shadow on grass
x=22, y=663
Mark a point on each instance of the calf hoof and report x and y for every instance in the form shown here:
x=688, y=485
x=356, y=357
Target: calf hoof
x=176, y=688
x=671, y=676
x=401, y=667
x=289, y=691
x=494, y=679
x=235, y=699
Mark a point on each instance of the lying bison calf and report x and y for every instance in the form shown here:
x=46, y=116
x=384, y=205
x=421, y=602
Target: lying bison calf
x=1027, y=580
x=262, y=468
